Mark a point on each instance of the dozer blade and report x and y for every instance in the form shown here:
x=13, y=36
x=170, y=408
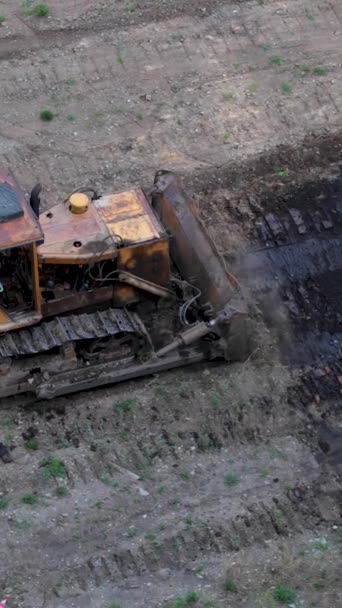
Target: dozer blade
x=192, y=249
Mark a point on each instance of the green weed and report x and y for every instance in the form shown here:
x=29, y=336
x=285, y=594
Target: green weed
x=284, y=594
x=61, y=491
x=228, y=96
x=309, y=15
x=71, y=117
x=127, y=405
x=132, y=532
x=32, y=443
x=29, y=499
x=53, y=469
x=188, y=521
x=231, y=479
x=215, y=400
x=184, y=475
x=2, y=19
x=40, y=10
x=286, y=88
x=46, y=115
x=4, y=502
x=281, y=171
x=276, y=60
x=230, y=587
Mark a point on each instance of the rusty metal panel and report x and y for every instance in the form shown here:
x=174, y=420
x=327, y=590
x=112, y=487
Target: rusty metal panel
x=150, y=261
x=23, y=229
x=74, y=238
x=129, y=215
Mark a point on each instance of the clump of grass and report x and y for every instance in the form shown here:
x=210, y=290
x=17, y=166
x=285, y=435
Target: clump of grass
x=114, y=605
x=231, y=479
x=71, y=117
x=276, y=60
x=4, y=502
x=192, y=597
x=61, y=491
x=184, y=475
x=131, y=8
x=132, y=532
x=70, y=81
x=140, y=115
x=319, y=71
x=32, y=443
x=40, y=10
x=321, y=544
x=309, y=15
x=265, y=473
x=228, y=96
x=162, y=489
x=286, y=88
x=46, y=115
x=281, y=171
x=284, y=594
x=226, y=136
x=215, y=400
x=188, y=521
x=230, y=587
x=2, y=19
x=127, y=405
x=29, y=499
x=53, y=468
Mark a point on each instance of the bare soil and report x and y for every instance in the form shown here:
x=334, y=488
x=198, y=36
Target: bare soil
x=219, y=480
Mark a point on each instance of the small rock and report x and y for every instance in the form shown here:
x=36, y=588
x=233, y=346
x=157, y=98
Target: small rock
x=143, y=492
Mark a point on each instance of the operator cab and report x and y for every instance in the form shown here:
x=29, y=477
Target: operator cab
x=20, y=233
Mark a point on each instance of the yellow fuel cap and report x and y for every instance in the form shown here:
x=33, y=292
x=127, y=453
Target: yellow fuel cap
x=78, y=202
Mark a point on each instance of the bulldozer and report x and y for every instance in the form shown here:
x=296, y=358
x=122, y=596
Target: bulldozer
x=100, y=289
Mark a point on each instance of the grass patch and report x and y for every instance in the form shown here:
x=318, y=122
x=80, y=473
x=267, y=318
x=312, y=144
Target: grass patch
x=114, y=605
x=321, y=544
x=131, y=8
x=265, y=473
x=319, y=71
x=30, y=500
x=309, y=15
x=281, y=171
x=40, y=10
x=191, y=598
x=228, y=96
x=132, y=532
x=71, y=117
x=286, y=88
x=226, y=136
x=276, y=60
x=32, y=444
x=215, y=400
x=140, y=116
x=127, y=405
x=53, y=469
x=46, y=115
x=232, y=479
x=188, y=521
x=284, y=594
x=162, y=489
x=70, y=81
x=253, y=87
x=61, y=491
x=4, y=502
x=184, y=475
x=2, y=19
x=230, y=587
x=119, y=49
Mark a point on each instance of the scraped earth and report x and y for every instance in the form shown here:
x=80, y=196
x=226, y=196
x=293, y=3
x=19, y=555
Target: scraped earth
x=220, y=480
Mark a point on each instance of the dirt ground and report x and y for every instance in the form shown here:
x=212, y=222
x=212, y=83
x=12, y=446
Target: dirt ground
x=216, y=486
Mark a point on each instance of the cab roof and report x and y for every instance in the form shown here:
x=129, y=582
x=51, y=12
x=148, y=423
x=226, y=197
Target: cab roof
x=18, y=223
